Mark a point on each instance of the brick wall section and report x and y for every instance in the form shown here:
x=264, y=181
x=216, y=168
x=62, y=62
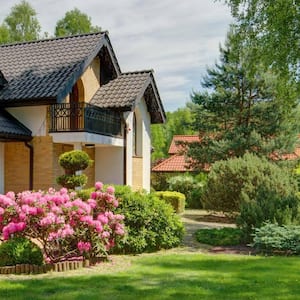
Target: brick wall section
x=16, y=167
x=137, y=171
x=43, y=162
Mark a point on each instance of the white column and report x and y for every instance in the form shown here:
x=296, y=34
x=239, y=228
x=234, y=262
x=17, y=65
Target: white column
x=128, y=119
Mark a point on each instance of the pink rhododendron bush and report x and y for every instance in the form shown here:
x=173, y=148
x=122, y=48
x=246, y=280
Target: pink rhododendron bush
x=63, y=224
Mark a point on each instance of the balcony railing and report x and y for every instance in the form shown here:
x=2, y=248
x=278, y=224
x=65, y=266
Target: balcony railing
x=84, y=117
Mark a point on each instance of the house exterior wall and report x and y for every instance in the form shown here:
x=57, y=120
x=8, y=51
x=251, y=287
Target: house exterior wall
x=16, y=166
x=91, y=79
x=109, y=162
x=2, y=177
x=90, y=171
x=33, y=117
x=139, y=165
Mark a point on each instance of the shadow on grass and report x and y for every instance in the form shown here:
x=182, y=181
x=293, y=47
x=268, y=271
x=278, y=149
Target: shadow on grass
x=177, y=276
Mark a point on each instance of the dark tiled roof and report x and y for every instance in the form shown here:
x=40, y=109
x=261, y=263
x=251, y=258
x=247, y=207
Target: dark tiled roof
x=11, y=128
x=125, y=90
x=40, y=70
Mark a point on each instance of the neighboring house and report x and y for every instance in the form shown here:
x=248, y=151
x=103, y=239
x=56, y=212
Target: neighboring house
x=177, y=162
x=69, y=93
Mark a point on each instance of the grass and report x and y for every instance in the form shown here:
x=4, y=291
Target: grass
x=225, y=236
x=165, y=275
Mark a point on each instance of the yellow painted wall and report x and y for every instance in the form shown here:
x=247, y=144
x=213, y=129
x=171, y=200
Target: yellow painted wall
x=137, y=172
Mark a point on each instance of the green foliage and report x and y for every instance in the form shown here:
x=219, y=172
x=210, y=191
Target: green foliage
x=21, y=24
x=72, y=181
x=74, y=160
x=151, y=223
x=176, y=199
x=219, y=236
x=276, y=239
x=20, y=250
x=191, y=186
x=270, y=25
x=159, y=180
x=75, y=22
x=243, y=111
x=270, y=206
x=235, y=181
x=178, y=122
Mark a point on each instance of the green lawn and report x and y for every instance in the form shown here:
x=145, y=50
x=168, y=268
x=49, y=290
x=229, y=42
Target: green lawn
x=165, y=276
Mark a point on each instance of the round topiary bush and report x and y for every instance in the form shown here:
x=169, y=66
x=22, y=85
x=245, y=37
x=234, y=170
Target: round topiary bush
x=20, y=250
x=74, y=160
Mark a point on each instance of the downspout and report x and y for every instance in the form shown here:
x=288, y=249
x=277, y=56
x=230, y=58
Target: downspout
x=124, y=152
x=30, y=147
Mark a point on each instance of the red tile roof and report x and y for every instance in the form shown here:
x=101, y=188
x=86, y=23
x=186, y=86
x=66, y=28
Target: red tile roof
x=175, y=163
x=175, y=148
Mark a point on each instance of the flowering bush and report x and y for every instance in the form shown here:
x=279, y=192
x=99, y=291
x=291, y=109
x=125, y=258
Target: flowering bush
x=63, y=224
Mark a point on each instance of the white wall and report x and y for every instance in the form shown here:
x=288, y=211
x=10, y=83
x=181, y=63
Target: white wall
x=146, y=143
x=128, y=116
x=1, y=168
x=33, y=117
x=109, y=164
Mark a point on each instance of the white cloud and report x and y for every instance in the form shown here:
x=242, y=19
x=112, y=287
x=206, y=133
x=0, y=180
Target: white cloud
x=177, y=39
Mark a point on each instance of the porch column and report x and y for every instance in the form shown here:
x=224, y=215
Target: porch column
x=2, y=173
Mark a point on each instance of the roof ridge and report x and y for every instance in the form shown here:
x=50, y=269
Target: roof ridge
x=53, y=39
x=138, y=72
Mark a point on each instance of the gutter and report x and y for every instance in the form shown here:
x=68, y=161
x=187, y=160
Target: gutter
x=30, y=147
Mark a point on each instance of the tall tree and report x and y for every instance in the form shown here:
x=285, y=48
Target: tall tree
x=4, y=34
x=22, y=24
x=273, y=28
x=75, y=22
x=242, y=111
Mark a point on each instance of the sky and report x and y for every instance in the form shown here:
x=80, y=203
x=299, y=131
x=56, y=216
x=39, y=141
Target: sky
x=178, y=39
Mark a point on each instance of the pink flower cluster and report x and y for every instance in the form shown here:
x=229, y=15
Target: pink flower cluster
x=61, y=221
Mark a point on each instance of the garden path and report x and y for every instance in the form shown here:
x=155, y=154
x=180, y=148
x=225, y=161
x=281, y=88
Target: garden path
x=194, y=219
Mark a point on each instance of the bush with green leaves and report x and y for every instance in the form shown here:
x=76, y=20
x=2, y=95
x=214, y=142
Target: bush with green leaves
x=225, y=236
x=270, y=206
x=176, y=199
x=72, y=161
x=151, y=223
x=191, y=186
x=276, y=239
x=20, y=250
x=235, y=181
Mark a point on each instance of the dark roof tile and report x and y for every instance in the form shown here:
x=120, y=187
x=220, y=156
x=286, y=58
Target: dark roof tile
x=11, y=128
x=39, y=69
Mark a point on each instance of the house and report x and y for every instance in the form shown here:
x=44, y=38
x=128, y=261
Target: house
x=177, y=162
x=69, y=93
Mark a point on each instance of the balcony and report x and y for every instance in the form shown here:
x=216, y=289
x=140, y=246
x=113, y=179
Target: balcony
x=84, y=117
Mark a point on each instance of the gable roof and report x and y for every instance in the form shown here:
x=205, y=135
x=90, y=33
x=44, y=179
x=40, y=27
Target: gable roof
x=12, y=129
x=176, y=148
x=124, y=92
x=44, y=71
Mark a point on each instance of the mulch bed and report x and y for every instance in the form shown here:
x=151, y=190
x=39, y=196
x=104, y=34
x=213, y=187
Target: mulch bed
x=239, y=249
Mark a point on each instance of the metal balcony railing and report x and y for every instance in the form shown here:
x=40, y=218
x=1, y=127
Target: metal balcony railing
x=84, y=117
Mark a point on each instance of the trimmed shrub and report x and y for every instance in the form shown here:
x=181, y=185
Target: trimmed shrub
x=72, y=181
x=176, y=199
x=275, y=239
x=151, y=223
x=74, y=160
x=20, y=250
x=236, y=181
x=191, y=186
x=226, y=236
